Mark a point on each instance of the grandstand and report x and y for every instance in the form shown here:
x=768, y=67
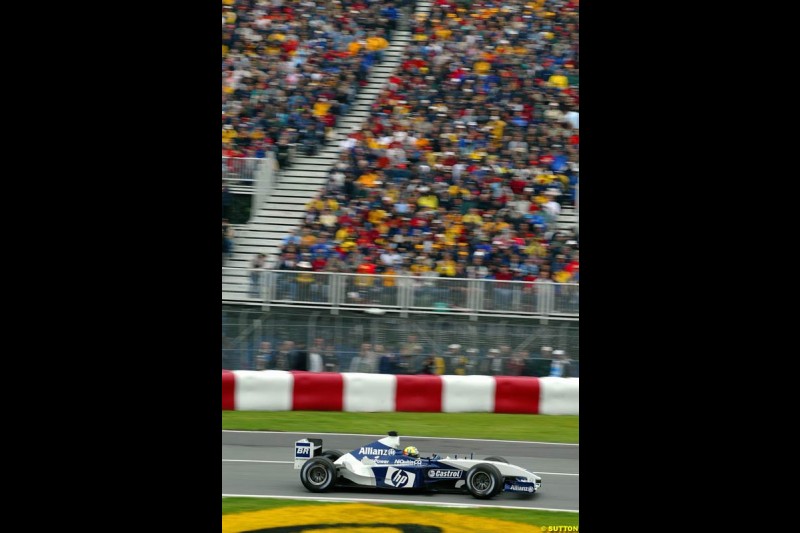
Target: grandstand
x=284, y=209
x=294, y=185
x=447, y=182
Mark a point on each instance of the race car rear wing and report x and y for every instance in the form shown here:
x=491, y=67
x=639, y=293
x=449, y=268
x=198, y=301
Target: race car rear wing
x=305, y=449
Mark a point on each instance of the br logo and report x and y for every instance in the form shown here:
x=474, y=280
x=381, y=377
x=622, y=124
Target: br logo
x=398, y=478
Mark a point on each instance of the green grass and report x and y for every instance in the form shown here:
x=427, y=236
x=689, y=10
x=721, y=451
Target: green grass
x=243, y=505
x=544, y=428
x=531, y=517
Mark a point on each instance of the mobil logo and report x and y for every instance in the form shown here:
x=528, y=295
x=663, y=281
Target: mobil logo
x=399, y=478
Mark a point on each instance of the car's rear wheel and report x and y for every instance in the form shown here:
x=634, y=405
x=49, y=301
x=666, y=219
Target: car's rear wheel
x=484, y=481
x=497, y=459
x=331, y=454
x=318, y=474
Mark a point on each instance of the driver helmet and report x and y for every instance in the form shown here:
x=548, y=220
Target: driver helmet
x=411, y=451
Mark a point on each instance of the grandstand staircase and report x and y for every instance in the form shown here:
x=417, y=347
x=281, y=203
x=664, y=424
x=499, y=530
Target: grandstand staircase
x=306, y=176
x=568, y=219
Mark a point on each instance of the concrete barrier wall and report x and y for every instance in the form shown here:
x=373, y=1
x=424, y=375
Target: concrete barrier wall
x=270, y=390
x=277, y=390
x=559, y=396
x=467, y=394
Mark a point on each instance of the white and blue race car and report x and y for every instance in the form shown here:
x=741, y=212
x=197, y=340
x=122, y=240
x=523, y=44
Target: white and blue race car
x=384, y=464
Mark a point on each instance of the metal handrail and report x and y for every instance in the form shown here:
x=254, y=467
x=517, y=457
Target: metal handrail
x=406, y=293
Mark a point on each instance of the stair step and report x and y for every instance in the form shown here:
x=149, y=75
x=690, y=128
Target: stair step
x=256, y=231
x=307, y=174
x=312, y=179
x=297, y=180
x=292, y=197
x=309, y=165
x=276, y=237
x=287, y=208
x=286, y=204
x=305, y=192
x=253, y=249
x=267, y=222
x=355, y=121
x=274, y=226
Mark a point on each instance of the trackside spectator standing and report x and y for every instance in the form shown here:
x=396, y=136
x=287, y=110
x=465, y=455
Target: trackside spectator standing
x=264, y=356
x=257, y=275
x=559, y=367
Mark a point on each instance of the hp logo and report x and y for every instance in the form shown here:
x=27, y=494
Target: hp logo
x=399, y=479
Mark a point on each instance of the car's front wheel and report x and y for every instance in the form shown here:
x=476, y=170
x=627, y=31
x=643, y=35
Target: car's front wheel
x=318, y=474
x=484, y=481
x=497, y=459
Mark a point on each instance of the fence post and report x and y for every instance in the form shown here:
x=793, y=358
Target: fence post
x=403, y=286
x=335, y=292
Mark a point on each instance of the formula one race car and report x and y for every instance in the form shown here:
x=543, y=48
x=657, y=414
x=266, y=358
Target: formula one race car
x=384, y=464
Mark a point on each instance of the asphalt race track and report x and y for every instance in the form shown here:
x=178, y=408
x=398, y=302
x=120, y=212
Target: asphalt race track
x=261, y=464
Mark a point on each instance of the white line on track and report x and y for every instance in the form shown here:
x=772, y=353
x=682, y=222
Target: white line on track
x=404, y=436
x=254, y=461
x=292, y=462
x=414, y=502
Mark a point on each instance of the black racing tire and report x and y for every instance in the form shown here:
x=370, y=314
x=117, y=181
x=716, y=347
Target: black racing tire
x=318, y=474
x=484, y=481
x=498, y=459
x=333, y=455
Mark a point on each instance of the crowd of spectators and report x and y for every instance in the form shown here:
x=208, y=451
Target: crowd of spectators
x=411, y=357
x=460, y=172
x=467, y=158
x=290, y=68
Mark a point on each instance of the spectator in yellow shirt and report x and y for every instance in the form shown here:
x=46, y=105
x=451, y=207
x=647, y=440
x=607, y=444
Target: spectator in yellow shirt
x=562, y=276
x=228, y=133
x=316, y=203
x=446, y=267
x=354, y=47
x=428, y=199
x=307, y=238
x=558, y=80
x=443, y=33
x=342, y=234
x=376, y=216
x=321, y=107
x=473, y=217
x=498, y=125
x=389, y=274
x=481, y=67
x=376, y=43
x=420, y=267
x=368, y=179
